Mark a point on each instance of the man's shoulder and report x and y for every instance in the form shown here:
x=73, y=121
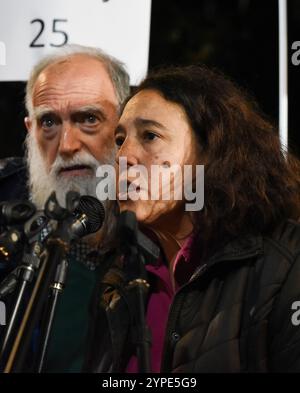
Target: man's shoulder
x=13, y=178
x=11, y=165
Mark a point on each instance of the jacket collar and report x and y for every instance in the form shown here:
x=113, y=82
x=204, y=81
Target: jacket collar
x=240, y=248
x=236, y=251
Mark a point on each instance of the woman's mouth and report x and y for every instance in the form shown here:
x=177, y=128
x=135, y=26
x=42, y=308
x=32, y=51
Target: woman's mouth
x=129, y=190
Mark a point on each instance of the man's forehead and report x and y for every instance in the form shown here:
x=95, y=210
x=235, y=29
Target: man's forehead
x=80, y=80
x=77, y=64
x=67, y=104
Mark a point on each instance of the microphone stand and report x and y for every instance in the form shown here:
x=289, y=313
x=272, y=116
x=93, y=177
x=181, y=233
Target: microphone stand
x=22, y=279
x=56, y=290
x=55, y=253
x=27, y=270
x=57, y=247
x=140, y=331
x=135, y=246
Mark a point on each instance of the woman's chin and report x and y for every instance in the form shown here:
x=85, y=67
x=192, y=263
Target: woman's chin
x=128, y=205
x=142, y=216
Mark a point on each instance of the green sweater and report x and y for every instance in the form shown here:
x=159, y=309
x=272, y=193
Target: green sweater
x=67, y=344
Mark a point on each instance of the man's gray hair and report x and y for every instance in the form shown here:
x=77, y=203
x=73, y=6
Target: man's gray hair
x=114, y=67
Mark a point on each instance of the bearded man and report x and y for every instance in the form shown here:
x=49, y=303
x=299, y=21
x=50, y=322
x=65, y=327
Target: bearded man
x=73, y=99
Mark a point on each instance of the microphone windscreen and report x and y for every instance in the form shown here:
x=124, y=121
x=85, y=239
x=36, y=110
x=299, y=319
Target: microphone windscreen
x=94, y=210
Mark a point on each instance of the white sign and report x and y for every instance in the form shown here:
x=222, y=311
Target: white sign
x=29, y=29
x=2, y=314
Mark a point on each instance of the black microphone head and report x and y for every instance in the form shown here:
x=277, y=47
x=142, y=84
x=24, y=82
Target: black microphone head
x=94, y=210
x=16, y=212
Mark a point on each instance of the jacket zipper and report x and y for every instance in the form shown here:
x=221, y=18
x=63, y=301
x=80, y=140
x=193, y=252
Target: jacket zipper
x=175, y=306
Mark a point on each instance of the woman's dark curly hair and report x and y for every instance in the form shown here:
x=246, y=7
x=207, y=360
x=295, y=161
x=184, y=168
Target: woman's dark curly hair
x=251, y=183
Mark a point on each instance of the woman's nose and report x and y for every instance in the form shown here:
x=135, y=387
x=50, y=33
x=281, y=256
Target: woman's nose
x=129, y=150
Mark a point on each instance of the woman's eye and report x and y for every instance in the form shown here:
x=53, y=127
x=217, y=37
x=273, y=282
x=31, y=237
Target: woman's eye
x=149, y=136
x=119, y=140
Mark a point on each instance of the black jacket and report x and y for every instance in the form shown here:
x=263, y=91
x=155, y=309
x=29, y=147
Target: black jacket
x=13, y=179
x=234, y=315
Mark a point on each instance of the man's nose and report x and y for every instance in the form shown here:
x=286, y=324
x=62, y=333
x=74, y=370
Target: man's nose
x=70, y=142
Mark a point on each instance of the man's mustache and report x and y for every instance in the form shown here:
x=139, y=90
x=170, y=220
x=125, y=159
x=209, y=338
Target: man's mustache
x=79, y=161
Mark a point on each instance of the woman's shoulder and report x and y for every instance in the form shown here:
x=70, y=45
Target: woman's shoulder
x=284, y=239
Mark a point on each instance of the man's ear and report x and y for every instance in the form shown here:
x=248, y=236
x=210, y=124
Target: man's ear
x=28, y=123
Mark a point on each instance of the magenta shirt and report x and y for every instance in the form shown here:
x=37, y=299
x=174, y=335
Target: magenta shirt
x=160, y=299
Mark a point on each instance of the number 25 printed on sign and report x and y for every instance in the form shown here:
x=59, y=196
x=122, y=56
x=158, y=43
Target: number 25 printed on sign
x=56, y=30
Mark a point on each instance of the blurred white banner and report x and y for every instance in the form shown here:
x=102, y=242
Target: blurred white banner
x=29, y=29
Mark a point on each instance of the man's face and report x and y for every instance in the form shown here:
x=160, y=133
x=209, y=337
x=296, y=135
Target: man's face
x=75, y=112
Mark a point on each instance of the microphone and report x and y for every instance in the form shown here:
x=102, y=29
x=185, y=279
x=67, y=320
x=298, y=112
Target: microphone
x=11, y=243
x=90, y=215
x=16, y=212
x=15, y=239
x=29, y=242
x=84, y=215
x=13, y=213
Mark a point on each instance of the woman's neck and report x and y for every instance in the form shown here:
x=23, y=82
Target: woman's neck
x=172, y=235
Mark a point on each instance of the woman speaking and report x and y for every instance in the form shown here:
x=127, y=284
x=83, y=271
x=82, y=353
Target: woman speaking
x=223, y=295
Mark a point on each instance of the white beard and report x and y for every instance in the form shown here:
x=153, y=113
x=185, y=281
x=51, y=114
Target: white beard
x=43, y=182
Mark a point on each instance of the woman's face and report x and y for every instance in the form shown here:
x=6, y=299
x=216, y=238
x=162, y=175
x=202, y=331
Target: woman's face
x=156, y=134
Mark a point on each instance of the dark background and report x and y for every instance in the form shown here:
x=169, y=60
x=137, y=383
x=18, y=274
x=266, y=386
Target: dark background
x=239, y=37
